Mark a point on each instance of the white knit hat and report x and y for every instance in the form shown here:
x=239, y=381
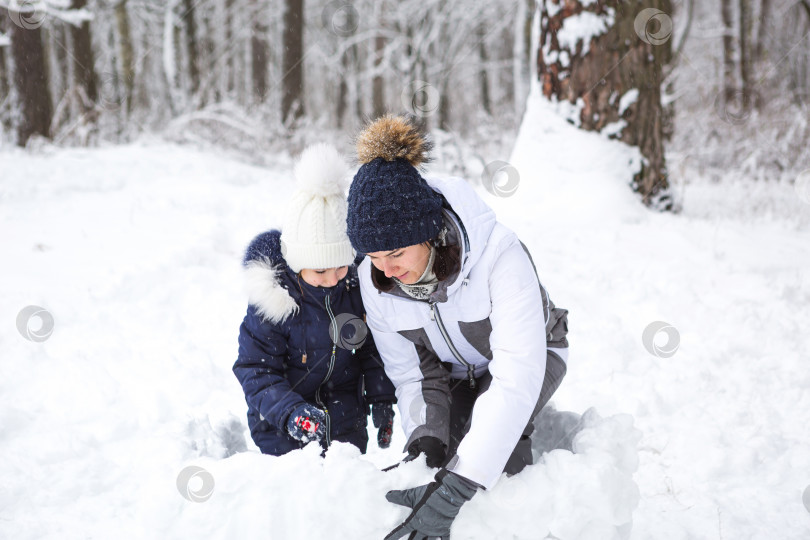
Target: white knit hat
x=314, y=231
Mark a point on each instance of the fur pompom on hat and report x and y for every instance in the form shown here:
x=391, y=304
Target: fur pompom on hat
x=314, y=231
x=392, y=138
x=390, y=204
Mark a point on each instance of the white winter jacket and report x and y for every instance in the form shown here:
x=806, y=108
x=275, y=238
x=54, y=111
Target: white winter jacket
x=496, y=315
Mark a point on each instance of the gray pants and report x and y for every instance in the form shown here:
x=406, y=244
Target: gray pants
x=464, y=398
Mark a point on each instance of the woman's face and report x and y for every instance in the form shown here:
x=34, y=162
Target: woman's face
x=324, y=278
x=406, y=264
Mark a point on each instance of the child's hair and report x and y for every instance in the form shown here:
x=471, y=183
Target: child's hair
x=446, y=263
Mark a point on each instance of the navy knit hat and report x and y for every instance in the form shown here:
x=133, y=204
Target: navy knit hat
x=390, y=204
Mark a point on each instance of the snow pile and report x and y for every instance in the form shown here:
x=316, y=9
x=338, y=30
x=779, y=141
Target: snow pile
x=582, y=495
x=570, y=178
x=585, y=495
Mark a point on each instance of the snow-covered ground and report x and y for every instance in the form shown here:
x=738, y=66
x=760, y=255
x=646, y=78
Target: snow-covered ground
x=135, y=251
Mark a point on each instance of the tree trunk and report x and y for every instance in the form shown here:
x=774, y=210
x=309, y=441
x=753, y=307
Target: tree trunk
x=746, y=25
x=729, y=82
x=260, y=52
x=444, y=103
x=292, y=64
x=4, y=76
x=210, y=61
x=483, y=79
x=55, y=41
x=602, y=74
x=762, y=33
x=31, y=82
x=378, y=83
x=231, y=75
x=521, y=54
x=191, y=44
x=348, y=62
x=343, y=90
x=126, y=55
x=84, y=76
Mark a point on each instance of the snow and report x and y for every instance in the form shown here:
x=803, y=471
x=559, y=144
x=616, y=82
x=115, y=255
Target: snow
x=76, y=17
x=627, y=99
x=583, y=27
x=614, y=129
x=57, y=8
x=135, y=251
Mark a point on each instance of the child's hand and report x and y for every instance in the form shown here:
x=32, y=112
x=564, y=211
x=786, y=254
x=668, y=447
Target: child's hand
x=382, y=414
x=307, y=423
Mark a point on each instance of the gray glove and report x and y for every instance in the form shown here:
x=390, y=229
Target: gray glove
x=434, y=505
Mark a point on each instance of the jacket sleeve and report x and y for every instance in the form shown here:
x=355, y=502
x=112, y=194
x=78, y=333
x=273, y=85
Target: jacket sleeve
x=260, y=370
x=518, y=368
x=422, y=384
x=378, y=387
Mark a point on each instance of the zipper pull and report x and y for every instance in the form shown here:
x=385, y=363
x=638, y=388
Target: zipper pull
x=471, y=376
x=432, y=313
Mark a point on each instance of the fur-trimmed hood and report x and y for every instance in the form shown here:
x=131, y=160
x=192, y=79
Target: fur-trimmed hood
x=271, y=284
x=267, y=278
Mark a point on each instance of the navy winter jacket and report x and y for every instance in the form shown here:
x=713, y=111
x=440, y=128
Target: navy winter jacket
x=287, y=355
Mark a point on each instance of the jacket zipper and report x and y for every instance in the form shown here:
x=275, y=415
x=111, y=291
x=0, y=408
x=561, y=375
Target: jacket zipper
x=328, y=372
x=434, y=314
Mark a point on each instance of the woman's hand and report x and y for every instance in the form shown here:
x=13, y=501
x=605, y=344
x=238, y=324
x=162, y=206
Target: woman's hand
x=434, y=506
x=435, y=451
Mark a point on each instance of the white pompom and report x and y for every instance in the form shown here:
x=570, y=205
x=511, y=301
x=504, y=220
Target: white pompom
x=321, y=170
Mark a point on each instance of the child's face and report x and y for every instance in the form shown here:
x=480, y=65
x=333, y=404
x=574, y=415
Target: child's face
x=324, y=278
x=406, y=264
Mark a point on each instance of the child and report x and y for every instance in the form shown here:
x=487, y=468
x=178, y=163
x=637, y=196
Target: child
x=307, y=363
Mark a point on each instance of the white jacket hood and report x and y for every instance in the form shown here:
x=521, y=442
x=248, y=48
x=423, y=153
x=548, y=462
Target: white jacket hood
x=477, y=219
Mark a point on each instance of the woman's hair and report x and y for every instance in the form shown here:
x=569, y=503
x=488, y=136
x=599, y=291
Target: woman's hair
x=446, y=263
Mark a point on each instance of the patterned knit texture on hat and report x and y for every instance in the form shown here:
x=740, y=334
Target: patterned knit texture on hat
x=314, y=231
x=390, y=205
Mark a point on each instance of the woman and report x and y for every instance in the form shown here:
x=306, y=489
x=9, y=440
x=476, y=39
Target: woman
x=467, y=333
x=307, y=369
